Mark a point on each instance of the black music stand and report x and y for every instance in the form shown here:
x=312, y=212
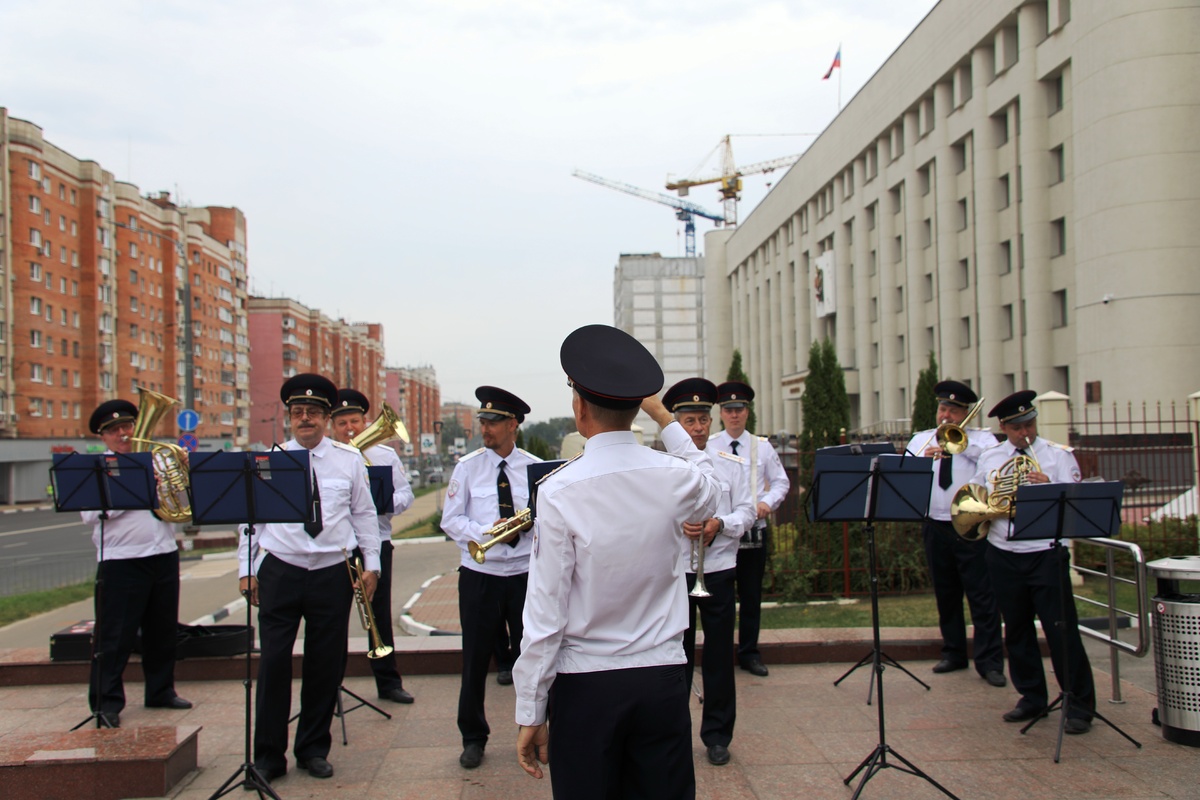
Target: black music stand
x=102, y=482
x=274, y=486
x=868, y=488
x=847, y=508
x=1058, y=511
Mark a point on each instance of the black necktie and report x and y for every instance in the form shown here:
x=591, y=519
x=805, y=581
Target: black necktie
x=734, y=445
x=504, y=495
x=946, y=472
x=315, y=525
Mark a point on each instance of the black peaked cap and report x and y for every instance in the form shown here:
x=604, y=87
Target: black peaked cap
x=1017, y=407
x=111, y=412
x=734, y=394
x=609, y=368
x=310, y=388
x=956, y=393
x=691, y=394
x=497, y=404
x=351, y=400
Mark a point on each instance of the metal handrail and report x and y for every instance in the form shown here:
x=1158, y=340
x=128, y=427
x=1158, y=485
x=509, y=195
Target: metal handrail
x=1112, y=638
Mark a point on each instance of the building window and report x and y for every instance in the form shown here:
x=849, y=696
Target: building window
x=35, y=406
x=1005, y=266
x=1058, y=237
x=35, y=306
x=958, y=156
x=964, y=275
x=1054, y=94
x=35, y=272
x=1058, y=167
x=1004, y=195
x=923, y=179
x=927, y=232
x=35, y=237
x=35, y=373
x=927, y=283
x=1006, y=322
x=1058, y=309
x=35, y=204
x=964, y=332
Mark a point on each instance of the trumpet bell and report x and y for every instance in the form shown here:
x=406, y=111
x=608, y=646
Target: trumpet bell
x=970, y=513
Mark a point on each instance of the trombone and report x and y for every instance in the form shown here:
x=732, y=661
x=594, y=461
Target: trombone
x=365, y=615
x=950, y=437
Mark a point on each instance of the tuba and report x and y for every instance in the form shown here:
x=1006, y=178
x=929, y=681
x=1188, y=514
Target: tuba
x=170, y=461
x=974, y=507
x=513, y=526
x=387, y=427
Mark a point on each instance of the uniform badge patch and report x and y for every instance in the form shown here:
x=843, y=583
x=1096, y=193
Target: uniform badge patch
x=452, y=489
x=1075, y=476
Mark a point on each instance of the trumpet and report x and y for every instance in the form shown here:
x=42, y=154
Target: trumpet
x=697, y=564
x=365, y=615
x=973, y=507
x=950, y=437
x=506, y=531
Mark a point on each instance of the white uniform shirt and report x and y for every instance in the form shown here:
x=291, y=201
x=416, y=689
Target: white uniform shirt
x=1058, y=464
x=772, y=484
x=135, y=533
x=402, y=494
x=962, y=467
x=473, y=506
x=734, y=509
x=347, y=514
x=606, y=586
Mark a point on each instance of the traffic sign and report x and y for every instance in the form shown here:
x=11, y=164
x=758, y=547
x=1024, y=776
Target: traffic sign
x=188, y=419
x=189, y=441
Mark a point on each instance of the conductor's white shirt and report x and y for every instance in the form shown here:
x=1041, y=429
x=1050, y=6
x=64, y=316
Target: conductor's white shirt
x=606, y=585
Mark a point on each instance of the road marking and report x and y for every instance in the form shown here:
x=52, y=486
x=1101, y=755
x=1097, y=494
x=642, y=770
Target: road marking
x=44, y=528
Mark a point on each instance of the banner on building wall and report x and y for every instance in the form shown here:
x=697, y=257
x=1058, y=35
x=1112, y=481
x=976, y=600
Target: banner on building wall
x=428, y=444
x=825, y=284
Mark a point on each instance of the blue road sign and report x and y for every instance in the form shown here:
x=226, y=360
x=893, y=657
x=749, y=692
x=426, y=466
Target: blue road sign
x=189, y=441
x=188, y=419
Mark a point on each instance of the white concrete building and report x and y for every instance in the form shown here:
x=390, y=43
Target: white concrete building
x=1016, y=189
x=660, y=302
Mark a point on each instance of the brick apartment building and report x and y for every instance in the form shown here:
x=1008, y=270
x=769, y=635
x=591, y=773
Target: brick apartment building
x=290, y=338
x=417, y=398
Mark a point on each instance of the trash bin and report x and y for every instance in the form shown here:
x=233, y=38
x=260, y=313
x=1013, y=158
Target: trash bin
x=1176, y=609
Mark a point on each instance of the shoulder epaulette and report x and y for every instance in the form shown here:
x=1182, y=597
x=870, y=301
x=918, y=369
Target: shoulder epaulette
x=346, y=447
x=731, y=457
x=559, y=468
x=763, y=439
x=1063, y=447
x=531, y=455
x=471, y=454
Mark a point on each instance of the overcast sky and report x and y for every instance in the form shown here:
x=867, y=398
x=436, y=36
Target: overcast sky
x=410, y=163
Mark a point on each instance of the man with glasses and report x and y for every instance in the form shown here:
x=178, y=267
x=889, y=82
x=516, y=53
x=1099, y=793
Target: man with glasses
x=299, y=573
x=139, y=579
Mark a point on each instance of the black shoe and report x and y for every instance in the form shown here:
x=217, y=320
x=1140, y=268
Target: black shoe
x=109, y=719
x=472, y=756
x=995, y=677
x=1022, y=713
x=317, y=766
x=268, y=774
x=1076, y=725
x=718, y=755
x=755, y=666
x=396, y=696
x=175, y=701
x=946, y=665
x=504, y=677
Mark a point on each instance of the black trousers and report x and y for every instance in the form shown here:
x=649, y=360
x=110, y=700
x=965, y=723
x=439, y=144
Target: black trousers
x=1029, y=585
x=720, y=693
x=387, y=676
x=135, y=593
x=959, y=567
x=623, y=734
x=484, y=602
x=751, y=567
x=322, y=598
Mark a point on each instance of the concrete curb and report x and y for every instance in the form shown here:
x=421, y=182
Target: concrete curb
x=410, y=625
x=221, y=613
x=22, y=509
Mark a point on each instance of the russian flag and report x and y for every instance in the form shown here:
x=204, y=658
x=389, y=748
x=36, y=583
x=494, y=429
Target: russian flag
x=837, y=63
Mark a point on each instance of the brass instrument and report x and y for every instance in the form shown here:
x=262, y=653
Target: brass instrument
x=385, y=428
x=508, y=529
x=974, y=507
x=365, y=615
x=169, y=460
x=697, y=564
x=950, y=437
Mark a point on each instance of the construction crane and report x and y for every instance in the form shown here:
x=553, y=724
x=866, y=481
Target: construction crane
x=730, y=177
x=684, y=209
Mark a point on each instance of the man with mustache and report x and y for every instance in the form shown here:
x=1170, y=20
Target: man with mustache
x=299, y=573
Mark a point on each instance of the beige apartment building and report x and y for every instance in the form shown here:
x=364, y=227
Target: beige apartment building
x=1016, y=189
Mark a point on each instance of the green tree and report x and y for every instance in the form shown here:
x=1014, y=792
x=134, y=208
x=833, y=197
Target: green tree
x=736, y=373
x=551, y=431
x=825, y=404
x=839, y=400
x=924, y=410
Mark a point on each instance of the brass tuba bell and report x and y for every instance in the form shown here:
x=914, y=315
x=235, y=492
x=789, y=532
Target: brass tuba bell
x=170, y=461
x=384, y=429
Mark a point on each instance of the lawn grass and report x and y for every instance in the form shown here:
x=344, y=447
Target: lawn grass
x=22, y=606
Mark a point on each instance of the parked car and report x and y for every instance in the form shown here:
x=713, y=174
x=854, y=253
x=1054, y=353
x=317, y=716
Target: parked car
x=434, y=475
x=414, y=478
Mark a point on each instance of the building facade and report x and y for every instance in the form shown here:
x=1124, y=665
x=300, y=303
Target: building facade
x=1012, y=191
x=660, y=302
x=290, y=338
x=417, y=400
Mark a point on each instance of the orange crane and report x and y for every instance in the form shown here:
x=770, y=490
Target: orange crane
x=730, y=177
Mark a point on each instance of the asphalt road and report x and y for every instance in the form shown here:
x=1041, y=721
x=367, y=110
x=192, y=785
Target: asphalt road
x=42, y=550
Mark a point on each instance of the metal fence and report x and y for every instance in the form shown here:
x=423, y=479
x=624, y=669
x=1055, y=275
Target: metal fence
x=22, y=575
x=1152, y=449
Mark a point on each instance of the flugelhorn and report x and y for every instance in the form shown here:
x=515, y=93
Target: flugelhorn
x=365, y=615
x=385, y=428
x=950, y=437
x=513, y=526
x=169, y=460
x=974, y=507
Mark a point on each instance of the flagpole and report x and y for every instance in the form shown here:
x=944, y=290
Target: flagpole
x=839, y=78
